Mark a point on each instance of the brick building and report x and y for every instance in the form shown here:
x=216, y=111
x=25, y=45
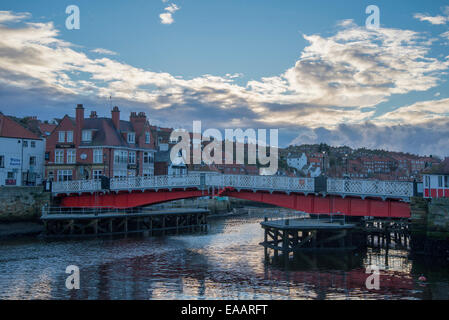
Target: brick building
x=87, y=148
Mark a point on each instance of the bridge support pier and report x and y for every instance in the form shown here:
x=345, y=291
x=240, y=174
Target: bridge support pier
x=110, y=223
x=286, y=237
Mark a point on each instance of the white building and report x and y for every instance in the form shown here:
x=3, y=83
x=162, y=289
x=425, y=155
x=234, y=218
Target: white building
x=21, y=155
x=297, y=162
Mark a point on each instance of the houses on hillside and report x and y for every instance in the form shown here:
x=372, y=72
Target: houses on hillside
x=89, y=147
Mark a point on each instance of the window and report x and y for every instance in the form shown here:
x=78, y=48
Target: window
x=11, y=175
x=51, y=175
x=32, y=161
x=120, y=156
x=33, y=144
x=132, y=157
x=147, y=137
x=120, y=173
x=25, y=144
x=147, y=158
x=440, y=181
x=61, y=136
x=59, y=156
x=2, y=161
x=446, y=181
x=87, y=135
x=64, y=175
x=98, y=156
x=131, y=137
x=69, y=136
x=71, y=156
x=96, y=174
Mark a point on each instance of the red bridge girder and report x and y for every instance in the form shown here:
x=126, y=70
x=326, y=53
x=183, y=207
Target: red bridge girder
x=313, y=204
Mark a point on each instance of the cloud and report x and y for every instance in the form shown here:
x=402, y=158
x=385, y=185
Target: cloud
x=436, y=20
x=9, y=16
x=418, y=113
x=104, y=51
x=430, y=138
x=431, y=19
x=337, y=79
x=167, y=17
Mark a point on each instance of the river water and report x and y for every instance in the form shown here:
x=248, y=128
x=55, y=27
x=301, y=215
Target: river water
x=226, y=263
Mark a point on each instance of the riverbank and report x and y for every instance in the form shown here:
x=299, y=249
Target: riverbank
x=20, y=229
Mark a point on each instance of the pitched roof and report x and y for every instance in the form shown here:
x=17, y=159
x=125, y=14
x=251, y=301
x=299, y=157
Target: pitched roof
x=442, y=168
x=12, y=129
x=104, y=133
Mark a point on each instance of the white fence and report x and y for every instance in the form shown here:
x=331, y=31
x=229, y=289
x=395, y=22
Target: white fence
x=261, y=182
x=155, y=182
x=76, y=186
x=190, y=181
x=370, y=187
x=268, y=183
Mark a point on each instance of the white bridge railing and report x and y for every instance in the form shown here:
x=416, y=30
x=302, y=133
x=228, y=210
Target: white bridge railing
x=76, y=186
x=155, y=182
x=190, y=181
x=370, y=188
x=269, y=183
x=261, y=182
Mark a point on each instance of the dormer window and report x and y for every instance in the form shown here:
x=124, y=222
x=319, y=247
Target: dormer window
x=87, y=136
x=131, y=137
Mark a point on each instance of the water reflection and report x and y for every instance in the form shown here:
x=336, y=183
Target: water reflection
x=227, y=263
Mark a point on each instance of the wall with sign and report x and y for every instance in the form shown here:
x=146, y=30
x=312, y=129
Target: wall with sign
x=21, y=161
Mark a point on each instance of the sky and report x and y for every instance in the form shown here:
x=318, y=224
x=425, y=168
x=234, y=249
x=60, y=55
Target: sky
x=311, y=69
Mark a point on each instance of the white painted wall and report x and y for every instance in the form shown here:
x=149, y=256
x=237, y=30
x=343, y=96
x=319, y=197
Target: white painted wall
x=297, y=162
x=17, y=159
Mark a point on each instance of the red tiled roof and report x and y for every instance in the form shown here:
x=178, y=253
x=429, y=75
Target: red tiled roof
x=11, y=129
x=442, y=168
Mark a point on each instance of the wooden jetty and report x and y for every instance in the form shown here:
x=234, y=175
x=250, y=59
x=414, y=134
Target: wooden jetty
x=114, y=222
x=384, y=233
x=301, y=235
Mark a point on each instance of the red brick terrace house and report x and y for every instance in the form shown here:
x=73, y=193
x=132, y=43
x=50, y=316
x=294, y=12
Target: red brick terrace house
x=87, y=148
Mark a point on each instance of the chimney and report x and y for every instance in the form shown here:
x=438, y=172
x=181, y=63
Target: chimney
x=134, y=117
x=116, y=117
x=93, y=114
x=79, y=121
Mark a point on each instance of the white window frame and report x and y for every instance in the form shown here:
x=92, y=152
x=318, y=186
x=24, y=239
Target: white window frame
x=71, y=156
x=61, y=136
x=96, y=174
x=131, y=137
x=65, y=173
x=59, y=156
x=132, y=157
x=86, y=136
x=147, y=137
x=69, y=136
x=98, y=156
